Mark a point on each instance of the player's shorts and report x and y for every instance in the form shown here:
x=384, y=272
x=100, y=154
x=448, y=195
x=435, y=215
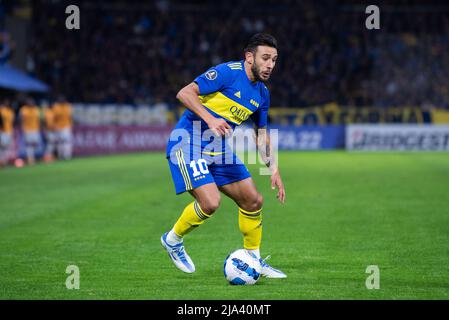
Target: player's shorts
x=64, y=135
x=5, y=139
x=50, y=136
x=32, y=138
x=191, y=169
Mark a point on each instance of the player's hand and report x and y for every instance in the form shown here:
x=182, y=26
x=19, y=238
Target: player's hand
x=219, y=127
x=276, y=182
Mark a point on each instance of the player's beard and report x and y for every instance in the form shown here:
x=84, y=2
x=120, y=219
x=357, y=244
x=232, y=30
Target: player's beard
x=255, y=70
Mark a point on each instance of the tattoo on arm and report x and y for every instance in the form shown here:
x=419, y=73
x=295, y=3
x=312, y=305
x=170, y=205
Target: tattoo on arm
x=263, y=145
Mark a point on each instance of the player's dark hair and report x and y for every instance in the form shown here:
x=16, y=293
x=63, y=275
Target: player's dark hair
x=260, y=39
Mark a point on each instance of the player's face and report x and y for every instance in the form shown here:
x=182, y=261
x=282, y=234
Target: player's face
x=264, y=61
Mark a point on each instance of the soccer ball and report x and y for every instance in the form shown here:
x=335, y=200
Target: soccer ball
x=241, y=268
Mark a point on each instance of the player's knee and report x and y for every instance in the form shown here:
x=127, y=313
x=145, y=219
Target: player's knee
x=258, y=204
x=255, y=204
x=210, y=205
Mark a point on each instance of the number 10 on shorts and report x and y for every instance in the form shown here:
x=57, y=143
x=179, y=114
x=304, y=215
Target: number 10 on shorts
x=199, y=167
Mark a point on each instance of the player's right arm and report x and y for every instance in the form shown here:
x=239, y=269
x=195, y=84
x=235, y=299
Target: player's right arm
x=189, y=98
x=213, y=80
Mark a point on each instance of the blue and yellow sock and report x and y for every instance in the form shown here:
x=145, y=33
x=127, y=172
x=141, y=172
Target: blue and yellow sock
x=191, y=217
x=250, y=224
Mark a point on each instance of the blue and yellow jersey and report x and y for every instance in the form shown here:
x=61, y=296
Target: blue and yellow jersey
x=226, y=92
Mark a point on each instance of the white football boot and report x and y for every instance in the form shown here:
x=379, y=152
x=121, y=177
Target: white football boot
x=270, y=272
x=178, y=255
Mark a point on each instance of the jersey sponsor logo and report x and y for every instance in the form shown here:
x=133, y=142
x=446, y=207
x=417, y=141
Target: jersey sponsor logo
x=239, y=114
x=211, y=74
x=237, y=94
x=226, y=107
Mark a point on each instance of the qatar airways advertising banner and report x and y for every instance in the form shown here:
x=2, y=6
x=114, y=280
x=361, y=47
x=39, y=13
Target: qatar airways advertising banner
x=111, y=139
x=94, y=140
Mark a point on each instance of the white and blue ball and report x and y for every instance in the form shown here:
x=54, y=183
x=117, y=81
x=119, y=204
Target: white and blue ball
x=241, y=268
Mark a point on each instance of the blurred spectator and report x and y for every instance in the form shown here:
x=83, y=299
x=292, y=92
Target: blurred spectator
x=62, y=113
x=49, y=132
x=6, y=130
x=30, y=120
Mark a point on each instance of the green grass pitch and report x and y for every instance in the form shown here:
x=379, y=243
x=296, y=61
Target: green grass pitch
x=344, y=212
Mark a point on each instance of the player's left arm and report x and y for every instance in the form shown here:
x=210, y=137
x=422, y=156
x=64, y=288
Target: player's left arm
x=266, y=152
x=260, y=119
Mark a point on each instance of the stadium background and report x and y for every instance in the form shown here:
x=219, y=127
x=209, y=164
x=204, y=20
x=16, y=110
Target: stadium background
x=121, y=72
x=332, y=71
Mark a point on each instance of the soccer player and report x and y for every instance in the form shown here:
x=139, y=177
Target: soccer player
x=6, y=130
x=62, y=112
x=30, y=119
x=218, y=101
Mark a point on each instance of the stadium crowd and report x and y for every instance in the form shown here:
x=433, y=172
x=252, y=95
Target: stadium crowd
x=143, y=53
x=138, y=53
